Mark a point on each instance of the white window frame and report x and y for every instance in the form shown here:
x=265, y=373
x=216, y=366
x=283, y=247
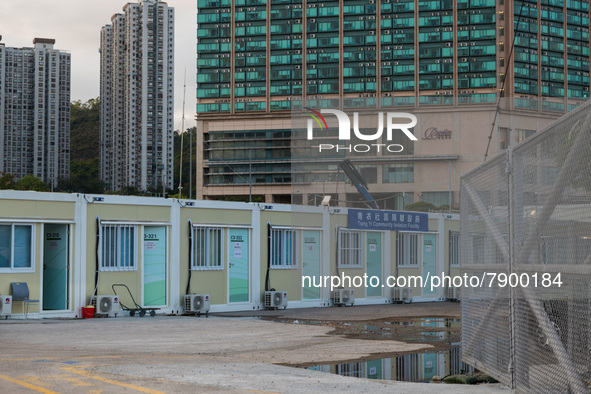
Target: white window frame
x=280, y=257
x=202, y=235
x=351, y=369
x=12, y=268
x=350, y=256
x=454, y=249
x=405, y=241
x=408, y=367
x=119, y=258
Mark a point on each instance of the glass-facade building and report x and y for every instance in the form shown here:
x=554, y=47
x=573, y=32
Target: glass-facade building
x=259, y=60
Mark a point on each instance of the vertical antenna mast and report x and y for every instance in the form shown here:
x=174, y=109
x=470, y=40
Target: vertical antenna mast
x=182, y=134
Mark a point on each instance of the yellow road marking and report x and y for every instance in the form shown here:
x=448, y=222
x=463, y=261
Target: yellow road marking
x=68, y=378
x=111, y=381
x=27, y=378
x=28, y=385
x=30, y=378
x=94, y=357
x=79, y=382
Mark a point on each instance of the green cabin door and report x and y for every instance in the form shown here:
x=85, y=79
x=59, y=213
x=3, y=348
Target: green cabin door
x=154, y=266
x=373, y=249
x=238, y=265
x=55, y=267
x=311, y=263
x=429, y=262
x=374, y=369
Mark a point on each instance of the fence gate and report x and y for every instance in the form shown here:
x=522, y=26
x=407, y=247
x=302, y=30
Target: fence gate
x=526, y=229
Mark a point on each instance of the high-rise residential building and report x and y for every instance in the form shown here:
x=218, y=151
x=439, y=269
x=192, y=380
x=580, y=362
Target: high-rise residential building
x=137, y=97
x=459, y=65
x=35, y=111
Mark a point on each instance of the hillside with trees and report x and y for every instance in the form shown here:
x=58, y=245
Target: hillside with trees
x=84, y=149
x=84, y=159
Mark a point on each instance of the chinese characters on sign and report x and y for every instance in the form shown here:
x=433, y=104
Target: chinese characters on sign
x=365, y=219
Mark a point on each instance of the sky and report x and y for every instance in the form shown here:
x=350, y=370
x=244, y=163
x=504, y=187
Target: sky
x=76, y=24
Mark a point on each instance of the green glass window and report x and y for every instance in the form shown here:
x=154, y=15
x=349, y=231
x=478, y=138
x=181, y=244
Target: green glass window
x=280, y=105
x=398, y=173
x=328, y=11
x=256, y=91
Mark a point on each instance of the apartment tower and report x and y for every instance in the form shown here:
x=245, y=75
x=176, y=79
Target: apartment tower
x=137, y=97
x=35, y=111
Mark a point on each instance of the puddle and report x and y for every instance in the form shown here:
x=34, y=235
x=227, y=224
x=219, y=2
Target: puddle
x=414, y=367
x=435, y=331
x=445, y=359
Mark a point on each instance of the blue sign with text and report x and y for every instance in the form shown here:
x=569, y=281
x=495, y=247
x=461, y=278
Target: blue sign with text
x=366, y=219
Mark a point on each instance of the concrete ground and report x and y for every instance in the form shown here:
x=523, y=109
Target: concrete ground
x=172, y=354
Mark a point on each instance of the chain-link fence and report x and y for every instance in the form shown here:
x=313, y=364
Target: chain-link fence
x=526, y=230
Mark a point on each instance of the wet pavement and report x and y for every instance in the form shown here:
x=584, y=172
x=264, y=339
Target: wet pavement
x=167, y=354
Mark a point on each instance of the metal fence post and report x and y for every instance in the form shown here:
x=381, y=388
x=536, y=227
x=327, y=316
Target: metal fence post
x=511, y=207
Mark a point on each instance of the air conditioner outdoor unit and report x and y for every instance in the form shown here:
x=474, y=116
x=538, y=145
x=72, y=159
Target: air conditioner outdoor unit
x=344, y=297
x=5, y=305
x=197, y=303
x=275, y=299
x=402, y=295
x=453, y=293
x=105, y=305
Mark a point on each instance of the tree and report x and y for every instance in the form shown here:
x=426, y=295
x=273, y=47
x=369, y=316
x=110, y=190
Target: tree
x=84, y=149
x=83, y=178
x=186, y=161
x=84, y=130
x=31, y=182
x=421, y=206
x=424, y=206
x=6, y=181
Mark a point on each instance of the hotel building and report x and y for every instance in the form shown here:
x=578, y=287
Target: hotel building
x=480, y=75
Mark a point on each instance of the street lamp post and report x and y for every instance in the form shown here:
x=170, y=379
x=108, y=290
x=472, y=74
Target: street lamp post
x=191, y=163
x=396, y=200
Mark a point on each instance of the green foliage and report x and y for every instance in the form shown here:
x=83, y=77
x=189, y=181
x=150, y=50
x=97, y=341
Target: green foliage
x=28, y=182
x=469, y=379
x=84, y=130
x=255, y=198
x=6, y=181
x=455, y=379
x=186, y=160
x=31, y=182
x=478, y=379
x=83, y=178
x=421, y=206
x=84, y=149
x=424, y=206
